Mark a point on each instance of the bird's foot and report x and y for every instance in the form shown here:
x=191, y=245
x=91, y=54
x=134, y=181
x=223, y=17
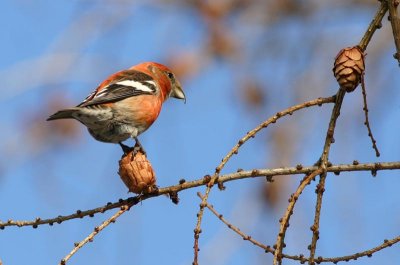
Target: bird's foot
x=126, y=149
x=138, y=147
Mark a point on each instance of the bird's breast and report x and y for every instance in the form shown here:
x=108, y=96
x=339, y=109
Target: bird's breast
x=140, y=111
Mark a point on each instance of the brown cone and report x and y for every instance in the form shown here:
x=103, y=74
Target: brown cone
x=137, y=173
x=349, y=67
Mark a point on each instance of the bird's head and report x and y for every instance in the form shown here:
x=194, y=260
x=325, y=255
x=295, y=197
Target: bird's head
x=170, y=85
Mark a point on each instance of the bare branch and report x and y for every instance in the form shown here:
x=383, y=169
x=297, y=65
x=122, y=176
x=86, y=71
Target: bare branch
x=375, y=24
x=97, y=230
x=241, y=174
x=365, y=108
x=301, y=258
x=273, y=119
x=395, y=21
x=235, y=229
x=386, y=243
x=235, y=149
x=78, y=214
x=324, y=163
x=284, y=221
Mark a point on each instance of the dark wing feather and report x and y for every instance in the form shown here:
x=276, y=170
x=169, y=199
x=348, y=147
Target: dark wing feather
x=125, y=84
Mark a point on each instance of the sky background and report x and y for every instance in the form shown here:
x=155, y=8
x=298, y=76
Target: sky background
x=239, y=63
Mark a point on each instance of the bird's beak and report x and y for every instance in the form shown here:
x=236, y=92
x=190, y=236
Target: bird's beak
x=177, y=92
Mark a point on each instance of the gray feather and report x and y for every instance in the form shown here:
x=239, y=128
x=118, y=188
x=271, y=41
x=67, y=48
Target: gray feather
x=64, y=114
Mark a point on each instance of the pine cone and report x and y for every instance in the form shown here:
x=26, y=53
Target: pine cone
x=137, y=173
x=349, y=67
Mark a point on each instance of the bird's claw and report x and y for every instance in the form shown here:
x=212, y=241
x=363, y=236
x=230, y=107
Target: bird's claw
x=126, y=149
x=138, y=147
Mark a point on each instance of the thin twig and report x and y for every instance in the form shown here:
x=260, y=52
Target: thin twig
x=324, y=163
x=236, y=229
x=365, y=108
x=375, y=24
x=97, y=230
x=273, y=119
x=331, y=127
x=301, y=258
x=315, y=227
x=386, y=243
x=395, y=21
x=267, y=249
x=284, y=221
x=78, y=214
x=235, y=149
x=242, y=174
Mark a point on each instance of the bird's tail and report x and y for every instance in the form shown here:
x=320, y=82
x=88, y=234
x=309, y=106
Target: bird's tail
x=64, y=114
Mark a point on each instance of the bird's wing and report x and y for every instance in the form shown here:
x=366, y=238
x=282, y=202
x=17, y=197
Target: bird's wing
x=124, y=84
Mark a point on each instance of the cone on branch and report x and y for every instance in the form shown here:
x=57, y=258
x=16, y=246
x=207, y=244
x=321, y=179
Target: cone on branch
x=349, y=67
x=136, y=172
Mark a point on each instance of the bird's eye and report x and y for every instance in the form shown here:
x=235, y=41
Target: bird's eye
x=171, y=75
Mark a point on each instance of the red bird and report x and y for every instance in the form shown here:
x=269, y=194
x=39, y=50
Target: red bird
x=126, y=104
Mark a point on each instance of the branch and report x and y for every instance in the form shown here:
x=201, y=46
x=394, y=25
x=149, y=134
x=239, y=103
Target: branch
x=235, y=149
x=97, y=230
x=301, y=258
x=386, y=243
x=375, y=24
x=273, y=119
x=395, y=21
x=236, y=229
x=284, y=221
x=315, y=227
x=78, y=214
x=331, y=127
x=324, y=163
x=364, y=93
x=267, y=249
x=241, y=174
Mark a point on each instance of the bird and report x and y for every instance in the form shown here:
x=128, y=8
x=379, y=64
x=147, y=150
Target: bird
x=125, y=104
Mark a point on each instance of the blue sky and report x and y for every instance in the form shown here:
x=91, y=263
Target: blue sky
x=65, y=48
